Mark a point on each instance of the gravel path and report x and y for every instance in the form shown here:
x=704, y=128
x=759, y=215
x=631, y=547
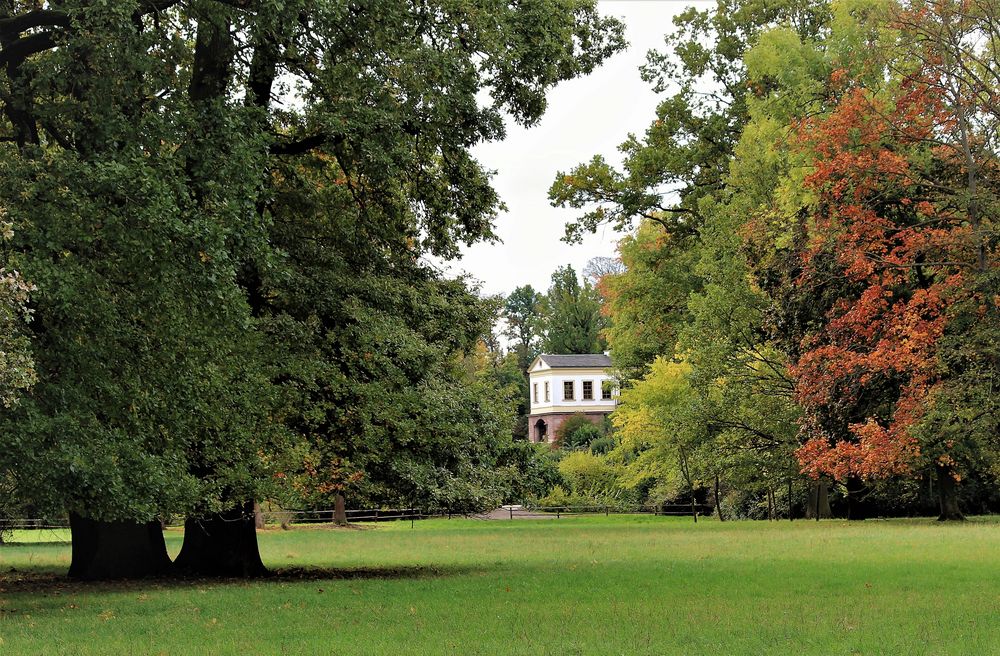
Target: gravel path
x=515, y=513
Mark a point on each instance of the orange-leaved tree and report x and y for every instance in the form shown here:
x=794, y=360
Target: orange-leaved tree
x=886, y=234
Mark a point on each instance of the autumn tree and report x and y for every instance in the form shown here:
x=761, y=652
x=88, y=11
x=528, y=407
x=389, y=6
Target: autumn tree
x=902, y=215
x=683, y=158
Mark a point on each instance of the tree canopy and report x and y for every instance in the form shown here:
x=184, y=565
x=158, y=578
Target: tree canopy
x=816, y=240
x=193, y=183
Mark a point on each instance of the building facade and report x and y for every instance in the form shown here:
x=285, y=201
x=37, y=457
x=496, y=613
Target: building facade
x=562, y=386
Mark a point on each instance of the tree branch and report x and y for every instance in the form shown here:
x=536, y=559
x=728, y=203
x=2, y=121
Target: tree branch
x=305, y=144
x=26, y=46
x=36, y=18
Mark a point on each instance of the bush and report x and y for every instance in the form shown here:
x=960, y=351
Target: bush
x=579, y=432
x=602, y=445
x=587, y=474
x=560, y=498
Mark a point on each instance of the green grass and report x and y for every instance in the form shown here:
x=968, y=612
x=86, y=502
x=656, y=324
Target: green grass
x=622, y=585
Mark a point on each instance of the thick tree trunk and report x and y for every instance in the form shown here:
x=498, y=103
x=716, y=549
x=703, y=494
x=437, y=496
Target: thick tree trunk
x=258, y=516
x=222, y=545
x=855, y=507
x=339, y=511
x=116, y=550
x=948, y=495
x=819, y=500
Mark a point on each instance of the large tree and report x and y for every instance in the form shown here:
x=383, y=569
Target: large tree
x=905, y=170
x=671, y=173
x=572, y=315
x=141, y=143
x=522, y=316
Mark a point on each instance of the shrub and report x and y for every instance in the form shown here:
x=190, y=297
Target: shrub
x=602, y=445
x=578, y=432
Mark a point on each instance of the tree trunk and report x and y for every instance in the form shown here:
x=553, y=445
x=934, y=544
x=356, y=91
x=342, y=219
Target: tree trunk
x=339, y=511
x=116, y=550
x=819, y=500
x=948, y=495
x=223, y=544
x=855, y=508
x=718, y=501
x=259, y=521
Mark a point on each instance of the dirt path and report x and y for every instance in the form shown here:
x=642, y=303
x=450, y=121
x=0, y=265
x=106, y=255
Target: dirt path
x=515, y=513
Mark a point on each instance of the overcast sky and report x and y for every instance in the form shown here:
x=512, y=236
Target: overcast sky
x=587, y=116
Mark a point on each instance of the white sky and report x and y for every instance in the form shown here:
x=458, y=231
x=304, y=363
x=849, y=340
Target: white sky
x=585, y=117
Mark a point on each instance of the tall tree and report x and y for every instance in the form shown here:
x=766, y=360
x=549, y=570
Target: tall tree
x=901, y=213
x=681, y=161
x=522, y=314
x=142, y=141
x=572, y=315
x=645, y=305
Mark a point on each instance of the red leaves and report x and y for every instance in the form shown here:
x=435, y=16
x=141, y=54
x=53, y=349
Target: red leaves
x=899, y=259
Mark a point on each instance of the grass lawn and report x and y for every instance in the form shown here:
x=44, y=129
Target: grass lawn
x=593, y=585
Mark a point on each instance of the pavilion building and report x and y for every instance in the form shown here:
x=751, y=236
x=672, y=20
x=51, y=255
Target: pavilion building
x=562, y=386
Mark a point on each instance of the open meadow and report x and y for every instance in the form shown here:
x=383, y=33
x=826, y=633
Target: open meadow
x=583, y=585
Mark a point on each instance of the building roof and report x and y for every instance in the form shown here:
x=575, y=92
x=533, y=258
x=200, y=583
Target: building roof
x=584, y=361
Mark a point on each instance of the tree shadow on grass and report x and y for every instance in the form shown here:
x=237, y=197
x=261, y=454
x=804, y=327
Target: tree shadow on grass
x=27, y=582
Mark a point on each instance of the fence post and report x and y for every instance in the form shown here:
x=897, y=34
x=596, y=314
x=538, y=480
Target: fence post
x=511, y=509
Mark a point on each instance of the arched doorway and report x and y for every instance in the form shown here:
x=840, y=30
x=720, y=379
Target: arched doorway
x=541, y=431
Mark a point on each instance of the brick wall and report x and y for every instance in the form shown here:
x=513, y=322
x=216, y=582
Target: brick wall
x=555, y=420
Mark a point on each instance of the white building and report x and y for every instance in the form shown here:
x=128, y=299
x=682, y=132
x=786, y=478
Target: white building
x=565, y=385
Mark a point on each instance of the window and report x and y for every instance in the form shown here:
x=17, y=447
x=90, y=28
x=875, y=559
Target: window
x=568, y=390
x=546, y=392
x=588, y=390
x=536, y=392
x=606, y=392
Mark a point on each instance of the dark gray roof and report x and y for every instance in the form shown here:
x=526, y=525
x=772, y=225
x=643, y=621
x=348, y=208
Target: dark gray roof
x=574, y=361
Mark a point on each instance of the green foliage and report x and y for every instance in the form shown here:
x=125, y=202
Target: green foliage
x=522, y=313
x=578, y=432
x=229, y=288
x=646, y=305
x=587, y=474
x=572, y=315
x=17, y=371
x=602, y=445
x=690, y=143
x=571, y=426
x=588, y=480
x=582, y=437
x=505, y=373
x=534, y=470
